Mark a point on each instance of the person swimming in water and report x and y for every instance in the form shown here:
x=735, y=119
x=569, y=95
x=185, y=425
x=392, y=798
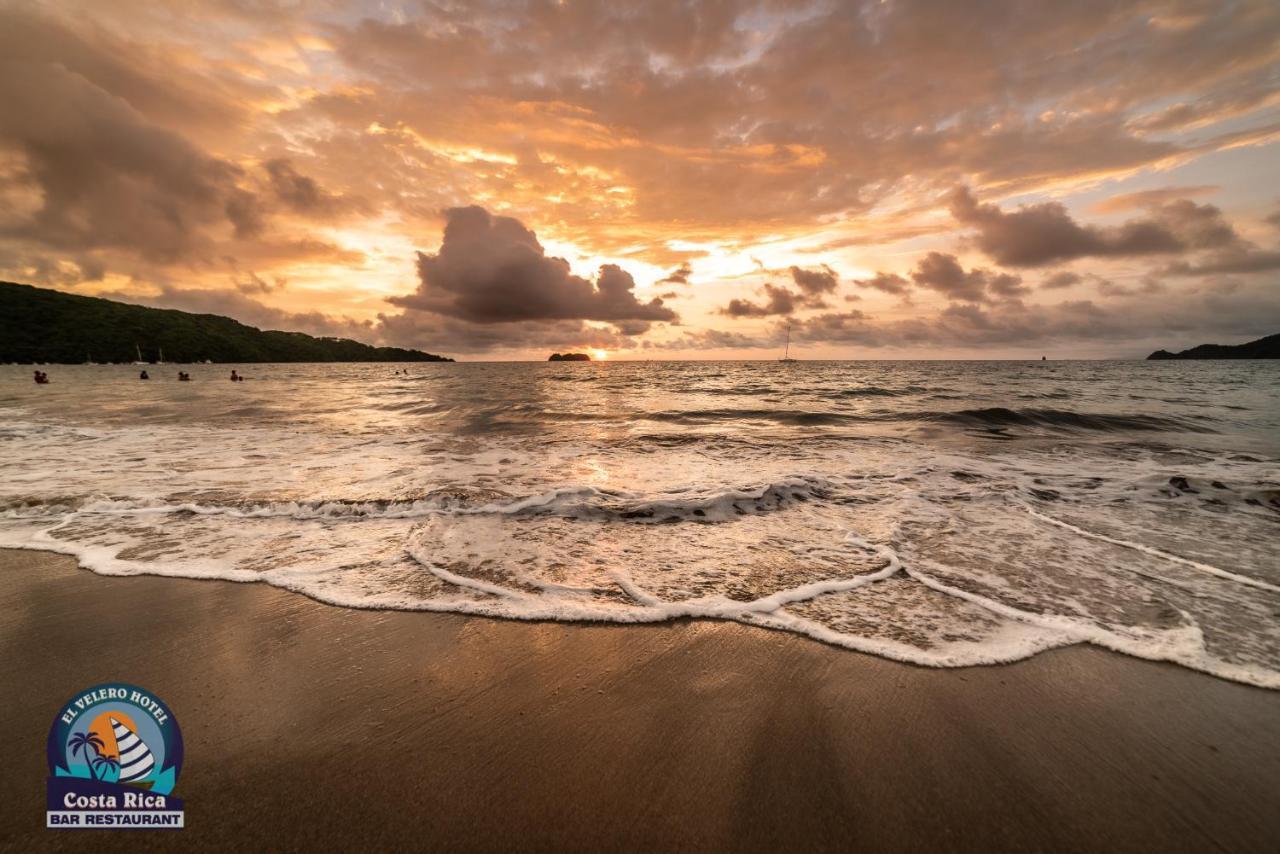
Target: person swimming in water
x=235, y=378
x=184, y=377
x=144, y=376
x=41, y=378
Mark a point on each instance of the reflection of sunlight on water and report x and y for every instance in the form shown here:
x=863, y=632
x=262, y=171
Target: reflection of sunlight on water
x=593, y=470
x=643, y=491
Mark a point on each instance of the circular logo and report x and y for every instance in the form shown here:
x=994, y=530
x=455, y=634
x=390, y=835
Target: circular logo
x=117, y=735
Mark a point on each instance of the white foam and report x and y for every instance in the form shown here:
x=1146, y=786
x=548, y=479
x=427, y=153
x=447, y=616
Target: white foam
x=1145, y=549
x=963, y=554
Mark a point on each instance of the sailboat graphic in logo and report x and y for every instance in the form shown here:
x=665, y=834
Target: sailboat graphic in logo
x=136, y=760
x=115, y=751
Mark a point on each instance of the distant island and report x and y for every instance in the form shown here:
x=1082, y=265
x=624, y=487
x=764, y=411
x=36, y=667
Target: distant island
x=569, y=357
x=38, y=325
x=1263, y=348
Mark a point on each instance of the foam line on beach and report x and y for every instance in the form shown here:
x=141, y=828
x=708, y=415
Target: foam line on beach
x=1154, y=552
x=1184, y=646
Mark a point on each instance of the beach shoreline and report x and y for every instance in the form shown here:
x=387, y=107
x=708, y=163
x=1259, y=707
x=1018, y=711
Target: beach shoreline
x=310, y=725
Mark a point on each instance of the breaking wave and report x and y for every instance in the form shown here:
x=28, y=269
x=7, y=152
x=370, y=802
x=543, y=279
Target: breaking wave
x=842, y=502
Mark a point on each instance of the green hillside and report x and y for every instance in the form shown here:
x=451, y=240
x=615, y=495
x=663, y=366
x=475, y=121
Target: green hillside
x=40, y=325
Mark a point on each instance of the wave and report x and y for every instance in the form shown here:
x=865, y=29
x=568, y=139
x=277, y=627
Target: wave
x=794, y=417
x=572, y=502
x=877, y=391
x=1060, y=419
x=717, y=506
x=993, y=417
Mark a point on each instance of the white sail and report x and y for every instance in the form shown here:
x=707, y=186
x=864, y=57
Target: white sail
x=136, y=760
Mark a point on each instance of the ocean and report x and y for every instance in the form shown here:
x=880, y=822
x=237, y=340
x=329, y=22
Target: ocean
x=940, y=513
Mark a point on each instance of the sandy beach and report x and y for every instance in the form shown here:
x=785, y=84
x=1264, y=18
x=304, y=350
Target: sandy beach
x=309, y=725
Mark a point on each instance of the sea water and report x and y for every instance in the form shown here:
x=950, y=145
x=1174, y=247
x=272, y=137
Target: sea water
x=939, y=513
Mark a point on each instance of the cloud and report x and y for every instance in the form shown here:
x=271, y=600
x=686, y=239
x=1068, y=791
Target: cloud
x=1042, y=234
x=1238, y=260
x=1061, y=279
x=889, y=283
x=492, y=270
x=250, y=311
x=1132, y=322
x=180, y=144
x=709, y=339
x=298, y=192
x=1151, y=198
x=942, y=273
x=107, y=176
x=1147, y=285
x=678, y=276
x=780, y=301
x=438, y=334
x=255, y=284
x=815, y=282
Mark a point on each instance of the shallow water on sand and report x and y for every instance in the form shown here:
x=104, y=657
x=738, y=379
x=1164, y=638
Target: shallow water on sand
x=943, y=513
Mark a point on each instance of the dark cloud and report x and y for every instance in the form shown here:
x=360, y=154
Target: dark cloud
x=1197, y=226
x=437, y=334
x=1131, y=321
x=709, y=339
x=249, y=311
x=813, y=286
x=815, y=282
x=678, y=276
x=1147, y=285
x=1061, y=279
x=301, y=193
x=780, y=301
x=1041, y=234
x=252, y=283
x=889, y=283
x=1006, y=286
x=142, y=75
x=942, y=273
x=492, y=269
x=107, y=176
x=1239, y=260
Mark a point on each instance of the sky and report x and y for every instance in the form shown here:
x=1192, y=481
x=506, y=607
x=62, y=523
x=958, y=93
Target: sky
x=657, y=180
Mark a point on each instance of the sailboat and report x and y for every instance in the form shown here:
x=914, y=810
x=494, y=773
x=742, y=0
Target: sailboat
x=161, y=362
x=139, y=351
x=786, y=352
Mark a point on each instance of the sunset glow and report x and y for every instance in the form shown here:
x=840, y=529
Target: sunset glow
x=890, y=181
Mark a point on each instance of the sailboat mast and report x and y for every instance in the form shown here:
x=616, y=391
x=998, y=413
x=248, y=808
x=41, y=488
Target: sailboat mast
x=786, y=353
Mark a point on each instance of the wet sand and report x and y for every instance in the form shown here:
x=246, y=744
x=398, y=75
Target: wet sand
x=309, y=726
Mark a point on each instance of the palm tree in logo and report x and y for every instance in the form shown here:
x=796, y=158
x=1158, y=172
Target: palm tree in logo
x=106, y=763
x=83, y=742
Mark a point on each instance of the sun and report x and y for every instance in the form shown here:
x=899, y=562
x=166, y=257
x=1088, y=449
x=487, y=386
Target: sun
x=599, y=355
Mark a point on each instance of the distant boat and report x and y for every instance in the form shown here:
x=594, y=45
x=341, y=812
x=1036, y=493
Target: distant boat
x=161, y=362
x=786, y=352
x=139, y=351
